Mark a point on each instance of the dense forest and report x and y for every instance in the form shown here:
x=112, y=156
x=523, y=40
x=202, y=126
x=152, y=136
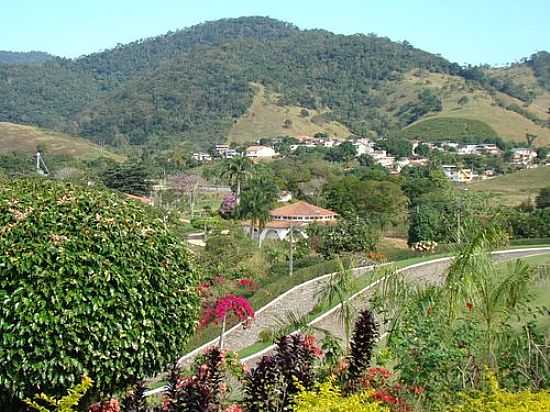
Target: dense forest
x=194, y=83
x=32, y=57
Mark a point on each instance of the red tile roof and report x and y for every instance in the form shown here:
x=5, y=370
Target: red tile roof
x=300, y=209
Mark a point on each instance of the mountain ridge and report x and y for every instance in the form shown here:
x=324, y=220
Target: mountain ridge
x=195, y=84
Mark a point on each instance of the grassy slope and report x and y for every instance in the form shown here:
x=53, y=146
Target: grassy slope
x=25, y=139
x=265, y=118
x=514, y=188
x=481, y=106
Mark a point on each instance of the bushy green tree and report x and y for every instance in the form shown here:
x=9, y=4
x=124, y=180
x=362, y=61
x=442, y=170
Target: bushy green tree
x=90, y=283
x=130, y=178
x=543, y=198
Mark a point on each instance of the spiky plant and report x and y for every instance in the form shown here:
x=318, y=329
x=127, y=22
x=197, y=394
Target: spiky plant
x=134, y=401
x=364, y=337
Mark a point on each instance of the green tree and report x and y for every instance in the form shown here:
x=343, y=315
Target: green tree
x=89, y=283
x=236, y=171
x=133, y=178
x=543, y=198
x=258, y=197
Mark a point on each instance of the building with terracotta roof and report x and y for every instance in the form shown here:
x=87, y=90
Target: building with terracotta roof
x=295, y=216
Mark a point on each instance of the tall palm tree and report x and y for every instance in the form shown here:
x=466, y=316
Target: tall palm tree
x=236, y=170
x=259, y=195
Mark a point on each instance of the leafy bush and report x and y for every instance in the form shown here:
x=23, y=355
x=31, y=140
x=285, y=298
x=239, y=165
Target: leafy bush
x=270, y=386
x=89, y=283
x=326, y=397
x=498, y=400
x=202, y=392
x=67, y=403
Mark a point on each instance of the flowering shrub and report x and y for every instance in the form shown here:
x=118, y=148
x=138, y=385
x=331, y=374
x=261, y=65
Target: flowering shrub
x=326, y=397
x=376, y=256
x=498, y=400
x=248, y=284
x=229, y=203
x=425, y=246
x=107, y=406
x=237, y=305
x=387, y=389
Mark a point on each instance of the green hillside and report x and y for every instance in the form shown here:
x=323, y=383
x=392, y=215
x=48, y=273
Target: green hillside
x=265, y=118
x=438, y=128
x=514, y=188
x=196, y=85
x=25, y=139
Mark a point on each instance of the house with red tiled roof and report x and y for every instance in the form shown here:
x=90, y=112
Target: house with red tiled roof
x=296, y=217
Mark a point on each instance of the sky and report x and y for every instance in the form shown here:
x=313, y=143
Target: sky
x=467, y=31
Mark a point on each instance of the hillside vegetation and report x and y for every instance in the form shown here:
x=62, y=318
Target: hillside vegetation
x=196, y=85
x=26, y=139
x=32, y=57
x=514, y=188
x=265, y=118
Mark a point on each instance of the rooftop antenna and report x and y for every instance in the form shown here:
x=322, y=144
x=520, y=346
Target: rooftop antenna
x=41, y=167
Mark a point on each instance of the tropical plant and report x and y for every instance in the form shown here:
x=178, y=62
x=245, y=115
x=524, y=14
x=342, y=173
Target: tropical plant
x=236, y=170
x=68, y=257
x=337, y=290
x=362, y=344
x=68, y=403
x=204, y=391
x=270, y=386
x=495, y=399
x=327, y=397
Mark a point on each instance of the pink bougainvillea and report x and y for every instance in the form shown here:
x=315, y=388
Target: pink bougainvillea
x=237, y=305
x=234, y=408
x=247, y=283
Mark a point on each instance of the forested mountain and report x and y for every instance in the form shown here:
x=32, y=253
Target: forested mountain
x=195, y=83
x=32, y=57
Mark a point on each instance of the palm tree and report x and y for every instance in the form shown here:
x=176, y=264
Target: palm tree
x=236, y=170
x=494, y=292
x=338, y=290
x=258, y=197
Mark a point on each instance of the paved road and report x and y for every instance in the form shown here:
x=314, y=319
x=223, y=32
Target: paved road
x=302, y=299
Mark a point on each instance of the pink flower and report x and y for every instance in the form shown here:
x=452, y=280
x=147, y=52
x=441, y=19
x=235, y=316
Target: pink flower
x=234, y=408
x=311, y=346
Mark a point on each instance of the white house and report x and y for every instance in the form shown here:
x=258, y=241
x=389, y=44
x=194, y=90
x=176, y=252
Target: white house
x=523, y=156
x=260, y=152
x=202, y=157
x=457, y=174
x=296, y=217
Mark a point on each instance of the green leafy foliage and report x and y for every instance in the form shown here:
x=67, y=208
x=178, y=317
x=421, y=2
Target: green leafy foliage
x=443, y=128
x=347, y=236
x=90, y=283
x=67, y=403
x=130, y=178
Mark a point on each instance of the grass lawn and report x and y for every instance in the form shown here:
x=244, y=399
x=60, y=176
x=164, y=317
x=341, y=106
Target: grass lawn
x=514, y=188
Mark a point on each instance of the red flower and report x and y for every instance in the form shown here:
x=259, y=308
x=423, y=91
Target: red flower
x=247, y=283
x=237, y=305
x=106, y=406
x=470, y=306
x=417, y=390
x=383, y=396
x=311, y=346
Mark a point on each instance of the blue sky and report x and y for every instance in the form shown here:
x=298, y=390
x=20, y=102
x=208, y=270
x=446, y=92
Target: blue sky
x=467, y=31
